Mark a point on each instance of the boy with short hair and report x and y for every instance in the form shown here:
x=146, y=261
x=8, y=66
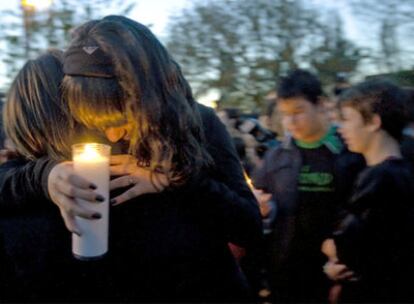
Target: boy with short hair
x=372, y=252
x=307, y=175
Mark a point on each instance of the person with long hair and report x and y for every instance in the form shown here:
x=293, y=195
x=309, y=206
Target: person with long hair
x=35, y=246
x=186, y=196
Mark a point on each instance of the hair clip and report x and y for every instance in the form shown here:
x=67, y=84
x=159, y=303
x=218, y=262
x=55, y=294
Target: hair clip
x=90, y=49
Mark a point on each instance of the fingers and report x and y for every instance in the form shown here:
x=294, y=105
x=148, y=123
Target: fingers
x=120, y=169
x=64, y=186
x=122, y=159
x=124, y=168
x=265, y=210
x=117, y=159
x=121, y=182
x=345, y=275
x=261, y=196
x=70, y=223
x=337, y=271
x=265, y=198
x=69, y=209
x=126, y=196
x=72, y=208
x=68, y=175
x=70, y=190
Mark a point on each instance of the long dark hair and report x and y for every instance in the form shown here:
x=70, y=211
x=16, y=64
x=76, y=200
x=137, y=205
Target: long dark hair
x=35, y=118
x=147, y=90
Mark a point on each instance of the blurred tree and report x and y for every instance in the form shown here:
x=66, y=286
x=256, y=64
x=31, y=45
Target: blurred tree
x=390, y=49
x=239, y=48
x=394, y=22
x=27, y=31
x=336, y=53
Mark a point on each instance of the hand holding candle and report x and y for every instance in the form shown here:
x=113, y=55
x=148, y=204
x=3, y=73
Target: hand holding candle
x=91, y=161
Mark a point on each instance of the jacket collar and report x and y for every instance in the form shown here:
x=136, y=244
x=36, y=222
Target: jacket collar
x=331, y=140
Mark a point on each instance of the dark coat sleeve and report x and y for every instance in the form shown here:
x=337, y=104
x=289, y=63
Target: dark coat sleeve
x=260, y=176
x=24, y=182
x=233, y=205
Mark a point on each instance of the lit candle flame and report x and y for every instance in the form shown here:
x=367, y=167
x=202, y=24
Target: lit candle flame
x=248, y=181
x=89, y=153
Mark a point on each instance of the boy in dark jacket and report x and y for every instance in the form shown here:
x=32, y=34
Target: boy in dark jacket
x=308, y=176
x=372, y=251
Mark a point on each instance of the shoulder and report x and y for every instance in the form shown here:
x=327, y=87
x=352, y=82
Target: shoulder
x=215, y=131
x=395, y=171
x=388, y=176
x=206, y=113
x=389, y=168
x=211, y=123
x=347, y=159
x=281, y=156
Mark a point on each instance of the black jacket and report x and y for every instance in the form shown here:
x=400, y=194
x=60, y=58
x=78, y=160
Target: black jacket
x=169, y=246
x=376, y=238
x=279, y=176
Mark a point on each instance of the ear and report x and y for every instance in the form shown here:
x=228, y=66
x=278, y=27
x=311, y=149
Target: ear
x=375, y=123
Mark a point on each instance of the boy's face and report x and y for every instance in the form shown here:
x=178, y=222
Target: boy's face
x=356, y=133
x=301, y=118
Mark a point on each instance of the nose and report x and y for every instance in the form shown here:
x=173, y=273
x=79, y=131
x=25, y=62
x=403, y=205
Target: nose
x=115, y=134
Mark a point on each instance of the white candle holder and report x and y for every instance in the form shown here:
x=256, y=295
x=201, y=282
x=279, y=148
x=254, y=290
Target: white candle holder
x=91, y=161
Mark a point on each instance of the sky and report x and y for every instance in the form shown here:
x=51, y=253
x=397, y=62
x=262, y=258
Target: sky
x=155, y=13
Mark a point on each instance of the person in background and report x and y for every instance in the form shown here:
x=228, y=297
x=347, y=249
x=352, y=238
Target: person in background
x=407, y=143
x=271, y=117
x=332, y=111
x=341, y=84
x=308, y=176
x=372, y=250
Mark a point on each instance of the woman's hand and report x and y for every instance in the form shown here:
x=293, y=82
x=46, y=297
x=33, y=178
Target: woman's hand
x=130, y=174
x=65, y=187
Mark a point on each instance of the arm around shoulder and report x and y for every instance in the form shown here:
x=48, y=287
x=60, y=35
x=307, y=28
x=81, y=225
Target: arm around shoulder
x=23, y=182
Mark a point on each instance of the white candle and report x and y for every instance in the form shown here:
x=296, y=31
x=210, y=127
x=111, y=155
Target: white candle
x=91, y=161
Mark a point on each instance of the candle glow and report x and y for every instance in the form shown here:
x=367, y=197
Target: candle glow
x=89, y=154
